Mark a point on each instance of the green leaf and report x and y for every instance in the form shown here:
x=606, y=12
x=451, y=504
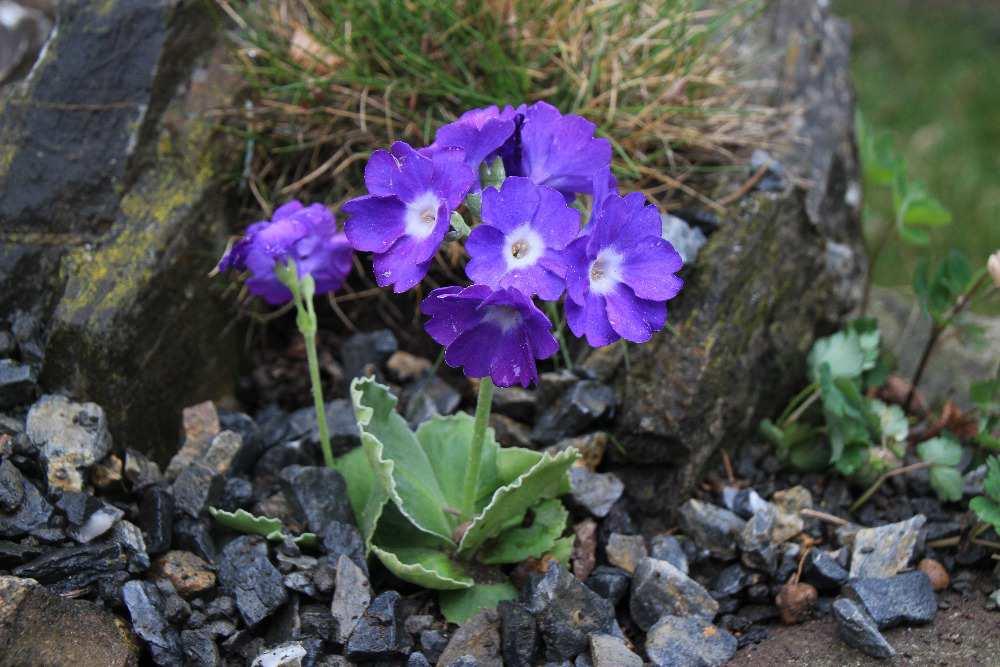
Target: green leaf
x=459, y=606
x=520, y=543
x=430, y=568
x=985, y=395
x=852, y=459
x=848, y=419
x=563, y=549
x=946, y=482
x=546, y=479
x=893, y=424
x=272, y=529
x=849, y=352
x=987, y=510
x=942, y=450
x=512, y=462
x=878, y=159
x=991, y=485
x=811, y=456
x=366, y=494
x=446, y=441
x=923, y=210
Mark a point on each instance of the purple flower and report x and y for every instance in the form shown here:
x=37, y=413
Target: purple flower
x=525, y=227
x=408, y=211
x=497, y=333
x=621, y=273
x=306, y=234
x=479, y=132
x=558, y=151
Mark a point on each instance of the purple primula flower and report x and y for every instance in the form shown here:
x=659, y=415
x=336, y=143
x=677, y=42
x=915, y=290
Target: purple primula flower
x=525, y=228
x=621, y=273
x=407, y=212
x=496, y=333
x=479, y=132
x=306, y=234
x=556, y=150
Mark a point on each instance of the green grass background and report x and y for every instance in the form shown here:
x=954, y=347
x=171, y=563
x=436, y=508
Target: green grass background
x=928, y=72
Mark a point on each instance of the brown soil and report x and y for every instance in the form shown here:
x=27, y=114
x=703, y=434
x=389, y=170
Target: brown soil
x=965, y=634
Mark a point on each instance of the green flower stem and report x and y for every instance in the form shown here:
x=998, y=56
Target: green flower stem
x=483, y=406
x=799, y=404
x=560, y=326
x=303, y=289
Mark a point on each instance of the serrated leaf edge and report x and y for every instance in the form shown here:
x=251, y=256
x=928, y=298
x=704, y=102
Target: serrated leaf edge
x=384, y=554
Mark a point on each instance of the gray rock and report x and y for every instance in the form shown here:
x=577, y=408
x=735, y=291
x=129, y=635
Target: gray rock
x=759, y=551
x=197, y=488
x=343, y=539
x=145, y=605
x=858, y=630
x=38, y=627
x=515, y=402
x=32, y=510
x=365, y=353
x=625, y=551
x=246, y=574
x=417, y=659
x=742, y=502
x=156, y=518
x=823, y=571
x=429, y=398
x=200, y=649
x=130, y=538
x=18, y=383
x=611, y=583
x=97, y=523
x=518, y=635
x=70, y=436
x=586, y=404
x=76, y=568
x=764, y=285
x=433, y=643
x=318, y=494
x=11, y=487
x=668, y=548
x=676, y=641
x=904, y=599
x=884, y=551
x=340, y=421
x=659, y=588
x=222, y=452
x=567, y=613
x=730, y=581
x=380, y=634
x=595, y=492
x=140, y=471
x=685, y=239
x=289, y=654
x=610, y=651
x=711, y=527
x=194, y=535
x=351, y=596
x=478, y=639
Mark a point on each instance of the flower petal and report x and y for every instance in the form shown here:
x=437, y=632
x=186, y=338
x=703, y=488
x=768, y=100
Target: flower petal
x=486, y=262
x=512, y=205
x=513, y=361
x=396, y=270
x=591, y=320
x=648, y=268
x=374, y=222
x=556, y=222
x=381, y=173
x=472, y=350
x=632, y=318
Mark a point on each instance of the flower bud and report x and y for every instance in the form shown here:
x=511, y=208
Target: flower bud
x=993, y=266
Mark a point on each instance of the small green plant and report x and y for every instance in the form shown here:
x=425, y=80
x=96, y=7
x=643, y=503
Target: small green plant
x=987, y=506
x=440, y=505
x=943, y=454
x=244, y=522
x=985, y=396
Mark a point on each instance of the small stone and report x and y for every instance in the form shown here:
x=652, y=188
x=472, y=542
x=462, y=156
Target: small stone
x=199, y=648
x=97, y=523
x=18, y=383
x=584, y=555
x=625, y=551
x=611, y=651
x=189, y=574
x=518, y=635
x=477, y=638
x=904, y=599
x=75, y=568
x=595, y=492
x=352, y=594
x=363, y=354
x=32, y=512
x=730, y=581
x=140, y=471
x=586, y=404
x=515, y=402
x=823, y=571
x=796, y=602
x=756, y=542
x=711, y=527
x=237, y=492
x=145, y=605
x=659, y=588
x=433, y=643
x=688, y=640
x=404, y=367
x=417, y=623
x=318, y=494
x=668, y=548
x=591, y=447
x=108, y=473
x=38, y=627
x=71, y=437
x=610, y=583
x=343, y=539
x=222, y=452
x=686, y=239
x=11, y=487
x=742, y=502
x=201, y=425
x=194, y=535
x=936, y=573
x=429, y=398
x=884, y=551
x=379, y=634
x=196, y=488
x=510, y=433
x=417, y=659
x=567, y=613
x=247, y=575
x=130, y=538
x=859, y=631
x=289, y=654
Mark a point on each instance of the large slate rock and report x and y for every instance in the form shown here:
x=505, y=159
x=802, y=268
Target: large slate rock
x=112, y=212
x=782, y=269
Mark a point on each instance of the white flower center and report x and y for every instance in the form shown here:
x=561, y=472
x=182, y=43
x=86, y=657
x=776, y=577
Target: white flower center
x=505, y=317
x=523, y=247
x=605, y=271
x=421, y=215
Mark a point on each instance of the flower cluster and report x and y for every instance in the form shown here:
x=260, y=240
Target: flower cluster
x=616, y=270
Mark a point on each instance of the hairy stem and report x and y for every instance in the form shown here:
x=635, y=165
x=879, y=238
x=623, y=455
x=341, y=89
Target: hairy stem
x=483, y=406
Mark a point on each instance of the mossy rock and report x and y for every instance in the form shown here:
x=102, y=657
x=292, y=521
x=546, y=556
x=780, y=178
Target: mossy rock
x=110, y=193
